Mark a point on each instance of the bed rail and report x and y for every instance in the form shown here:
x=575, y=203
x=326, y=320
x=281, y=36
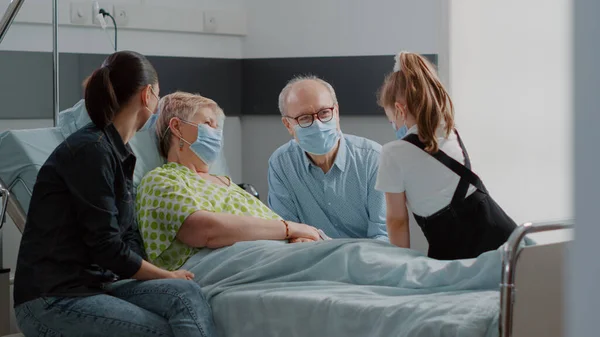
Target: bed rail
x=11, y=206
x=4, y=273
x=510, y=256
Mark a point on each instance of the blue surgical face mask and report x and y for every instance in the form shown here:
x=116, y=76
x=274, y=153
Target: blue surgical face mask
x=208, y=144
x=150, y=123
x=401, y=132
x=152, y=120
x=319, y=138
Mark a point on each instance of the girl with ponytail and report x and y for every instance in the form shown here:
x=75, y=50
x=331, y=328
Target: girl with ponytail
x=427, y=169
x=81, y=234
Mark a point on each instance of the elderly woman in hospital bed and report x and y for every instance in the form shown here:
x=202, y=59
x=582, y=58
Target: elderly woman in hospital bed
x=182, y=207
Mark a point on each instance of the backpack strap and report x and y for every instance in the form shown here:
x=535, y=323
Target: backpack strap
x=467, y=177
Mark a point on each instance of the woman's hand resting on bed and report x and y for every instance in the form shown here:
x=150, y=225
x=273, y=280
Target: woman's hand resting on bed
x=300, y=232
x=182, y=274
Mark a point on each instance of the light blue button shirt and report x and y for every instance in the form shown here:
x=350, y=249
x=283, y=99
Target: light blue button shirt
x=342, y=202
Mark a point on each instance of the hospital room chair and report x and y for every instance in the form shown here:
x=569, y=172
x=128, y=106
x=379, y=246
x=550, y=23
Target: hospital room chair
x=531, y=290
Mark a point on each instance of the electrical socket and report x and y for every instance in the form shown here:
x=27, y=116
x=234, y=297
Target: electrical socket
x=210, y=22
x=79, y=13
x=108, y=8
x=121, y=14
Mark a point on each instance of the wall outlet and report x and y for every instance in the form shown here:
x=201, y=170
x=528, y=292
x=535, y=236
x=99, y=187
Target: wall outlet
x=79, y=13
x=106, y=7
x=231, y=22
x=121, y=14
x=210, y=22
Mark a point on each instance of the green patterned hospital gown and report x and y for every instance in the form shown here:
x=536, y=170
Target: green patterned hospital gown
x=168, y=194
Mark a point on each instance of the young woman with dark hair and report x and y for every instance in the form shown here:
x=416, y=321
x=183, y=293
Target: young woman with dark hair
x=81, y=236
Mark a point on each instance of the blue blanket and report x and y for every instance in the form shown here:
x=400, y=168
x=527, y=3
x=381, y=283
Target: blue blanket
x=347, y=288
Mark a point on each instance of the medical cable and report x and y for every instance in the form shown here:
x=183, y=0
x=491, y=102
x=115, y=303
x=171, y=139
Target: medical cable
x=101, y=14
x=105, y=13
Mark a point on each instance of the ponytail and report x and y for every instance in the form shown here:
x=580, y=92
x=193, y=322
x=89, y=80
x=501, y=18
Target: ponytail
x=100, y=98
x=416, y=82
x=112, y=86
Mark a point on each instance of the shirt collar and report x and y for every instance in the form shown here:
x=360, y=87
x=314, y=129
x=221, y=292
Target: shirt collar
x=340, y=158
x=122, y=150
x=439, y=132
x=413, y=129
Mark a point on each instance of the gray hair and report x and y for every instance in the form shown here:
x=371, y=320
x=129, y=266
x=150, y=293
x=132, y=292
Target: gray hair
x=180, y=105
x=288, y=87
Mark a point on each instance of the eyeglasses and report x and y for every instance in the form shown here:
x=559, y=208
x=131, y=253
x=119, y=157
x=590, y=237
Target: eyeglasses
x=305, y=121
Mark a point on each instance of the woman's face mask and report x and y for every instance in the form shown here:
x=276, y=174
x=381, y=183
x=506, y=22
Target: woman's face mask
x=319, y=138
x=208, y=143
x=152, y=120
x=150, y=123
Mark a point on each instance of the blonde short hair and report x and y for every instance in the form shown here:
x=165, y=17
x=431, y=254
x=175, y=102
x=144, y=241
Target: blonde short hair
x=181, y=105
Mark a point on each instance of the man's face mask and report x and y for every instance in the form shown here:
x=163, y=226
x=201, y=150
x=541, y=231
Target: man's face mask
x=319, y=138
x=208, y=143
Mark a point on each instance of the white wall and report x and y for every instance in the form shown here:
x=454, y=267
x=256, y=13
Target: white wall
x=288, y=28
x=583, y=295
x=510, y=75
x=36, y=37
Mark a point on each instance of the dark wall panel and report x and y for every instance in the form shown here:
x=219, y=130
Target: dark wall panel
x=26, y=81
x=218, y=79
x=249, y=87
x=26, y=84
x=355, y=79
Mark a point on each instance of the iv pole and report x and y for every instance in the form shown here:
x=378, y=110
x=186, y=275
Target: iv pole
x=55, y=75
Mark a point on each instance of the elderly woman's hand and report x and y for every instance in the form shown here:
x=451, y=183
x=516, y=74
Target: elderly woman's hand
x=182, y=274
x=302, y=233
x=300, y=240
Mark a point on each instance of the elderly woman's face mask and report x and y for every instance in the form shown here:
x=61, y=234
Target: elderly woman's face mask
x=208, y=143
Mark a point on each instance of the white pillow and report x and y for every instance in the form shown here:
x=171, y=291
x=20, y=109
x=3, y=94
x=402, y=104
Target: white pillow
x=73, y=119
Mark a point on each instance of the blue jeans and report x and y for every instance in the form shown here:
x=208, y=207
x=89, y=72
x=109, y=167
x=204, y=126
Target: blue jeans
x=131, y=308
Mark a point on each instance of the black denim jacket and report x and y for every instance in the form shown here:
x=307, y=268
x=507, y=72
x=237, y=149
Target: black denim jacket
x=81, y=229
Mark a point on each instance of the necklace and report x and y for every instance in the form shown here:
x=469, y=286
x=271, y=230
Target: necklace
x=216, y=176
x=225, y=183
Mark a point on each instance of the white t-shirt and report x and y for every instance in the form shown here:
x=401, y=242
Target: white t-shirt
x=429, y=185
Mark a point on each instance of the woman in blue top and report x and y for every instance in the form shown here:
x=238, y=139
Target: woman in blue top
x=81, y=235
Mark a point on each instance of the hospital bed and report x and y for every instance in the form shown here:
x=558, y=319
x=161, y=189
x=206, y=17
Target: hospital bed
x=530, y=299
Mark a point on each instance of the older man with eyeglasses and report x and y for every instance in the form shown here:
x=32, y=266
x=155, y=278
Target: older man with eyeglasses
x=323, y=177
